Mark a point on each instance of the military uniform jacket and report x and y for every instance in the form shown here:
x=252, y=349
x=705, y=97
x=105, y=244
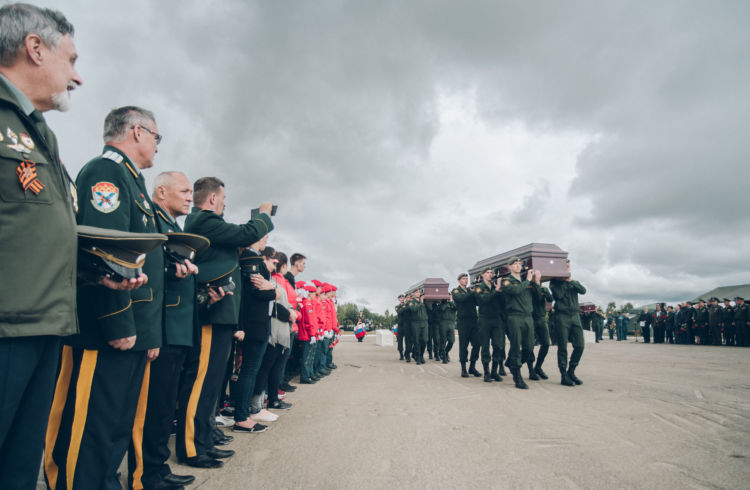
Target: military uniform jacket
x=255, y=304
x=518, y=296
x=566, y=296
x=701, y=317
x=540, y=297
x=490, y=301
x=180, y=312
x=727, y=315
x=37, y=230
x=740, y=315
x=418, y=313
x=466, y=304
x=446, y=314
x=226, y=239
x=401, y=315
x=113, y=195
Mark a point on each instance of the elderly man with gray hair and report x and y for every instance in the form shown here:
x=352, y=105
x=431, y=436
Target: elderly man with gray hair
x=37, y=230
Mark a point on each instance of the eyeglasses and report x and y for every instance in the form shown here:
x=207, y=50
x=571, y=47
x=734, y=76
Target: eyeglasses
x=156, y=135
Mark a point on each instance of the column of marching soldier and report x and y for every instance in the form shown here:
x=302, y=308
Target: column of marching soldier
x=513, y=307
x=691, y=322
x=100, y=368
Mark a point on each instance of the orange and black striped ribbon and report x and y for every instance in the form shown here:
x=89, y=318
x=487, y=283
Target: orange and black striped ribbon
x=28, y=177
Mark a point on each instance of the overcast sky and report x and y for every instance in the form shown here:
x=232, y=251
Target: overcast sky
x=404, y=140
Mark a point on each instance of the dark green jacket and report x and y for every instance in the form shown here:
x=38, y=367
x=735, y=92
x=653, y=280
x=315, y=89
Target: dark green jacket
x=518, y=296
x=466, y=304
x=417, y=313
x=401, y=315
x=180, y=313
x=226, y=240
x=113, y=195
x=541, y=297
x=566, y=296
x=38, y=239
x=446, y=313
x=490, y=302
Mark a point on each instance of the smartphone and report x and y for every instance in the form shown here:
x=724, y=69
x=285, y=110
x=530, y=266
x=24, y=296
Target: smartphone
x=256, y=211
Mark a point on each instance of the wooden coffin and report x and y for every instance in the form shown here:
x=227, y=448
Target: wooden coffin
x=433, y=289
x=587, y=307
x=546, y=257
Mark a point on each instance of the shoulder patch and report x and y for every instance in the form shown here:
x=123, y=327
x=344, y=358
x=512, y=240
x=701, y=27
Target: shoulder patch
x=455, y=291
x=105, y=197
x=478, y=289
x=506, y=282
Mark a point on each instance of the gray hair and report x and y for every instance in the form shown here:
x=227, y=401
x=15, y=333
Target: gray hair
x=18, y=20
x=164, y=179
x=120, y=120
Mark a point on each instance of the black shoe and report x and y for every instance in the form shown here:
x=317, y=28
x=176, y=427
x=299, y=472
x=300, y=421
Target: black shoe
x=573, y=377
x=254, y=428
x=421, y=359
x=447, y=357
x=307, y=381
x=223, y=441
x=464, y=374
x=473, y=371
x=408, y=359
x=330, y=366
x=518, y=380
x=445, y=361
x=487, y=377
x=400, y=356
x=217, y=453
x=287, y=387
x=325, y=372
x=430, y=354
x=542, y=374
x=532, y=374
x=315, y=378
x=566, y=381
x=178, y=479
x=501, y=371
x=203, y=461
x=496, y=377
x=279, y=405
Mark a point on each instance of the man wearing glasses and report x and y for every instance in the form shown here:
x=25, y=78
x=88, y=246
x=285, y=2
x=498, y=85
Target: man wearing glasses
x=103, y=366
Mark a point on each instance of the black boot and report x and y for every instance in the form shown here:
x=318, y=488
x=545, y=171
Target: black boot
x=464, y=374
x=400, y=356
x=494, y=374
x=532, y=373
x=540, y=372
x=566, y=381
x=445, y=359
x=408, y=357
x=473, y=369
x=421, y=358
x=518, y=380
x=573, y=377
x=429, y=352
x=487, y=376
x=501, y=370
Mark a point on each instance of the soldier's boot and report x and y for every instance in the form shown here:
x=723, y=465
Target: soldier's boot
x=473, y=369
x=400, y=356
x=464, y=374
x=487, y=376
x=538, y=370
x=444, y=357
x=518, y=380
x=447, y=358
x=573, y=377
x=501, y=369
x=408, y=357
x=429, y=352
x=494, y=374
x=532, y=372
x=565, y=379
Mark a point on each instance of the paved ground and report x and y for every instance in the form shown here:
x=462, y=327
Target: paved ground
x=647, y=416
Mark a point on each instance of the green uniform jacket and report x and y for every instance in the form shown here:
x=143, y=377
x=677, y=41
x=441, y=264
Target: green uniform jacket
x=226, y=239
x=466, y=304
x=740, y=315
x=541, y=297
x=518, y=296
x=490, y=301
x=113, y=195
x=417, y=313
x=38, y=239
x=701, y=317
x=566, y=296
x=401, y=315
x=446, y=313
x=180, y=312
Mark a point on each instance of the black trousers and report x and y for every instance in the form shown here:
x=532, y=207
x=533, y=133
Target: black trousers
x=468, y=333
x=199, y=389
x=92, y=415
x=269, y=364
x=27, y=381
x=148, y=453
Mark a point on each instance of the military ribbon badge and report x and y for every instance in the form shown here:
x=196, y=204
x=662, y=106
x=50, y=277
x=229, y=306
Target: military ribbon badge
x=28, y=177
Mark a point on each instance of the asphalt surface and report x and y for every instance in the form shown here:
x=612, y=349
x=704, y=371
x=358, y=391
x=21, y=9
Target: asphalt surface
x=647, y=416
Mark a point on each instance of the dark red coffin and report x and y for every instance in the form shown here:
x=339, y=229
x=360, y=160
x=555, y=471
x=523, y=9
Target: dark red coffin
x=587, y=307
x=433, y=289
x=546, y=257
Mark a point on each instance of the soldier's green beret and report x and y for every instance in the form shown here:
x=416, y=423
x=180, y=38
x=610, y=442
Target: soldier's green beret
x=463, y=274
x=513, y=260
x=486, y=269
x=115, y=253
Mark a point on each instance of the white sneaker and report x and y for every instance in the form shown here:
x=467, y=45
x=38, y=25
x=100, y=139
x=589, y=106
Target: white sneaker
x=264, y=416
x=222, y=421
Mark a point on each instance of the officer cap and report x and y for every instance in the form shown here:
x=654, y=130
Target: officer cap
x=216, y=272
x=514, y=260
x=714, y=298
x=185, y=245
x=115, y=252
x=701, y=300
x=727, y=300
x=401, y=296
x=463, y=274
x=739, y=298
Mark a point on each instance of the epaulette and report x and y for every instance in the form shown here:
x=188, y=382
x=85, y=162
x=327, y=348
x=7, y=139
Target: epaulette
x=113, y=155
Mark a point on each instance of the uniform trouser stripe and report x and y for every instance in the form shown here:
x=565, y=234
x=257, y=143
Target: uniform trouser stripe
x=55, y=414
x=195, y=393
x=83, y=393
x=140, y=417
